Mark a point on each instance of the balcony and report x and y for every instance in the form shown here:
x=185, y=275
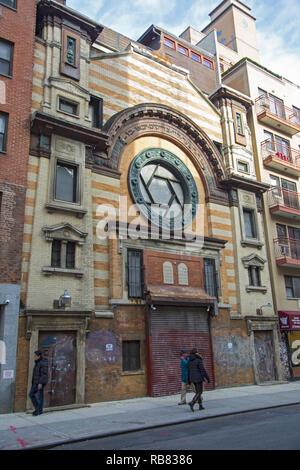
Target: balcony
x=280, y=157
x=275, y=114
x=287, y=252
x=284, y=203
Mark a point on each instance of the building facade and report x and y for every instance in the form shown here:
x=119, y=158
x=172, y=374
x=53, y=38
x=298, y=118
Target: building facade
x=147, y=207
x=17, y=29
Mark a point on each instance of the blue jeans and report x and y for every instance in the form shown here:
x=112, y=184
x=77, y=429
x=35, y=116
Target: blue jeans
x=37, y=398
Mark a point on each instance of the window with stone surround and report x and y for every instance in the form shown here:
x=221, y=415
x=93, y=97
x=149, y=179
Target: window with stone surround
x=68, y=107
x=66, y=242
x=66, y=182
x=211, y=277
x=63, y=254
x=254, y=265
x=135, y=273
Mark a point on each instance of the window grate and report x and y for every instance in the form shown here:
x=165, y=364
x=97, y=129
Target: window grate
x=134, y=273
x=131, y=355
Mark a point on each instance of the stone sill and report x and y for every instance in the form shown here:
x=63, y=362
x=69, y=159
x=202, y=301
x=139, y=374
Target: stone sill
x=256, y=243
x=48, y=271
x=224, y=306
x=261, y=289
x=52, y=207
x=104, y=314
x=133, y=372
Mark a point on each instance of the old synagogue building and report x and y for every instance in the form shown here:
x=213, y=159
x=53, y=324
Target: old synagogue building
x=149, y=210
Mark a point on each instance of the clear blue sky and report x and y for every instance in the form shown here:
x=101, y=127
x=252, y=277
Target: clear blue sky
x=277, y=23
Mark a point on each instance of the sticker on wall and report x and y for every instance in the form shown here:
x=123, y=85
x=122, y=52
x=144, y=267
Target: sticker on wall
x=8, y=374
x=102, y=348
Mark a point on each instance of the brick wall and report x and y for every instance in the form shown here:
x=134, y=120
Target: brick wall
x=105, y=379
x=17, y=27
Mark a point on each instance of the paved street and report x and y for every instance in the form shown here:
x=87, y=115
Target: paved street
x=275, y=429
x=106, y=419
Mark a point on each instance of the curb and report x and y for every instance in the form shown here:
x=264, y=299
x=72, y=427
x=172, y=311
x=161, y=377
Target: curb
x=91, y=437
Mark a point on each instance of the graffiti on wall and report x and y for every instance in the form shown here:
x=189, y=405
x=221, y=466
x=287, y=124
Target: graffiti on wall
x=102, y=348
x=284, y=358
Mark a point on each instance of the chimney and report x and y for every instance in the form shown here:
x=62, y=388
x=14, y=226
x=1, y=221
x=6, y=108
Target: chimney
x=63, y=2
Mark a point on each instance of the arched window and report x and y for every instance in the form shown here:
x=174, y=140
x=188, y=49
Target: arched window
x=168, y=273
x=183, y=274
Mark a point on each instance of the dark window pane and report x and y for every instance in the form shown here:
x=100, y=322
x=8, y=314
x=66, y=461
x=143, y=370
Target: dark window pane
x=68, y=107
x=254, y=276
x=56, y=254
x=239, y=123
x=71, y=50
x=9, y=3
x=3, y=131
x=96, y=114
x=289, y=286
x=210, y=277
x=66, y=181
x=6, y=49
x=134, y=268
x=249, y=222
x=296, y=286
x=131, y=355
x=70, y=259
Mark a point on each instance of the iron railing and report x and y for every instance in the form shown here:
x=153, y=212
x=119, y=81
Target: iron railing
x=278, y=196
x=276, y=108
x=281, y=152
x=287, y=248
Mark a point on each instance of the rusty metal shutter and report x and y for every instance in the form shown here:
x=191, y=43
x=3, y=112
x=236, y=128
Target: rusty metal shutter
x=171, y=330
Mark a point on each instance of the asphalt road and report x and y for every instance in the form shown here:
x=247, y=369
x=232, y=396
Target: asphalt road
x=273, y=429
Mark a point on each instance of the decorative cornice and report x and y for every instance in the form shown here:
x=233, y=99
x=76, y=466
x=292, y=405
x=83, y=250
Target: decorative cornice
x=52, y=12
x=64, y=226
x=46, y=124
x=235, y=181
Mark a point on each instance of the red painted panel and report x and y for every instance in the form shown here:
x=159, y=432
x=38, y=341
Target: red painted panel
x=172, y=331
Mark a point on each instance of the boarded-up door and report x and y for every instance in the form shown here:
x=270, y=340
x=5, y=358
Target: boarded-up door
x=59, y=347
x=171, y=330
x=264, y=355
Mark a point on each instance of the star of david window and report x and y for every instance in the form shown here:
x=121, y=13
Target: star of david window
x=163, y=188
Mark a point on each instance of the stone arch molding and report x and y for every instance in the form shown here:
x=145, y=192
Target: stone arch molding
x=159, y=120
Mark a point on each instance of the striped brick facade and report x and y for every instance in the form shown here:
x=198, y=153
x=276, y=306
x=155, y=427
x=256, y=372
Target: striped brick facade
x=147, y=103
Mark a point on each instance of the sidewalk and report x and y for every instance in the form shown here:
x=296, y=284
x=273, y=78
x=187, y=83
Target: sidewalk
x=24, y=431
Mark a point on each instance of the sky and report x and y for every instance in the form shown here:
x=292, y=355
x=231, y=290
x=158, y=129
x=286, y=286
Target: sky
x=277, y=24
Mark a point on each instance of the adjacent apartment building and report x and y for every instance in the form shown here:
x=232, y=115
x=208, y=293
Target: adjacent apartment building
x=17, y=30
x=274, y=122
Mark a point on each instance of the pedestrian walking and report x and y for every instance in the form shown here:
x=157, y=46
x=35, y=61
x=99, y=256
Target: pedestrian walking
x=184, y=376
x=39, y=380
x=196, y=375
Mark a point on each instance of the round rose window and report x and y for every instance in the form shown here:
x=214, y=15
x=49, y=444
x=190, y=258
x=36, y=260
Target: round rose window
x=164, y=189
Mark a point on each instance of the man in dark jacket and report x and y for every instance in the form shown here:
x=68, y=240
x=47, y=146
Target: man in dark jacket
x=39, y=380
x=197, y=374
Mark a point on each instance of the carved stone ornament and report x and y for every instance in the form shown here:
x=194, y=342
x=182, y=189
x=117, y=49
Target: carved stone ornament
x=253, y=260
x=162, y=121
x=65, y=231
